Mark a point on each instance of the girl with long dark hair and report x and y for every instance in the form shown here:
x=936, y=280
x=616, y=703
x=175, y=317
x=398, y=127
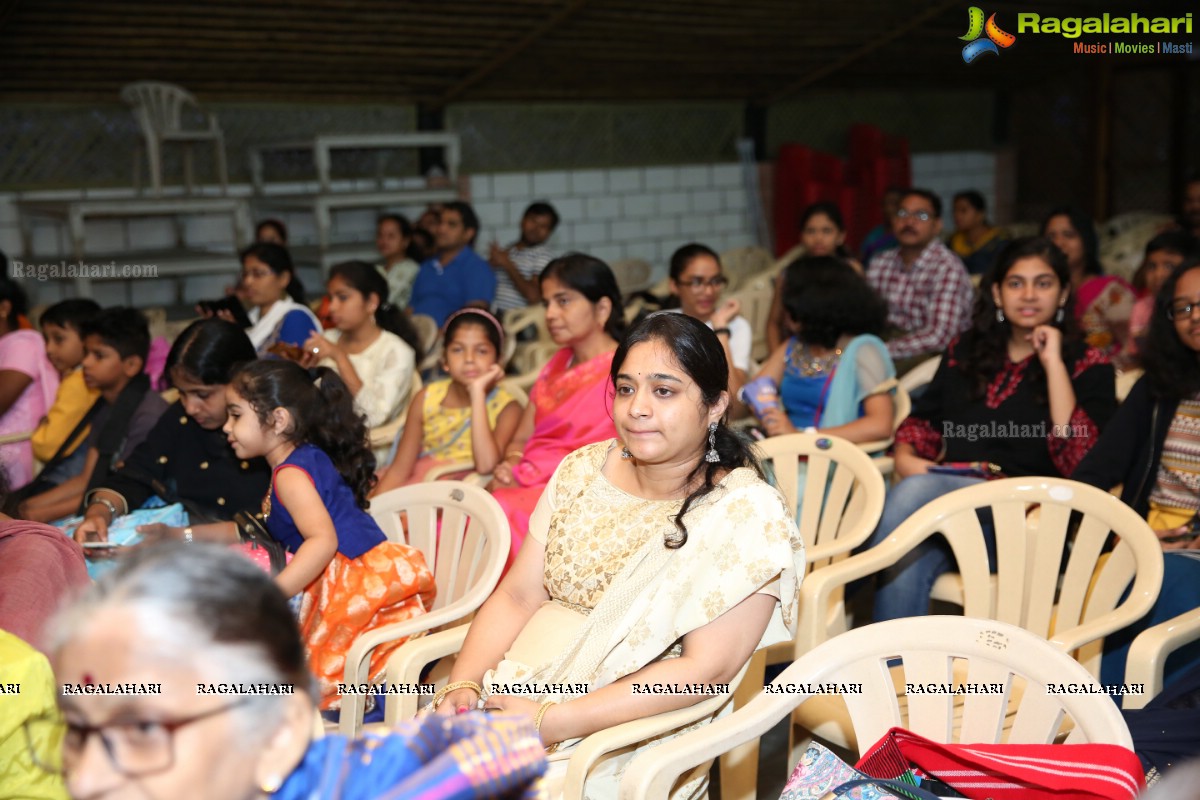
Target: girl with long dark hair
x=1018, y=392
x=372, y=345
x=351, y=577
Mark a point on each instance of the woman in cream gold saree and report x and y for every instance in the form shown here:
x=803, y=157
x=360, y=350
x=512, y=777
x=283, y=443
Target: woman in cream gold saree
x=656, y=560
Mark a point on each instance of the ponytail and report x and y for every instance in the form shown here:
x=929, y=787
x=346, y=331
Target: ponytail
x=342, y=433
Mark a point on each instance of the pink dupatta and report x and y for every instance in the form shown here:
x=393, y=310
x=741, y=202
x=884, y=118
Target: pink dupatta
x=573, y=406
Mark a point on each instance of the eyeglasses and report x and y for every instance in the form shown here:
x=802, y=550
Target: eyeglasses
x=135, y=747
x=696, y=284
x=904, y=213
x=1182, y=310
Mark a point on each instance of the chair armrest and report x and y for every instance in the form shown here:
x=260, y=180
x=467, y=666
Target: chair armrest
x=877, y=446
x=13, y=438
x=1148, y=654
x=358, y=657
x=385, y=434
x=405, y=666
x=600, y=743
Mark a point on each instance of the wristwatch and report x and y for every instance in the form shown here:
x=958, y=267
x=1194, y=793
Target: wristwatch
x=187, y=535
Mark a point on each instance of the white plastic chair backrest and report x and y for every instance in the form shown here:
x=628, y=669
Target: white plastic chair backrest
x=1053, y=577
x=1016, y=230
x=533, y=359
x=901, y=408
x=755, y=296
x=518, y=319
x=517, y=392
x=786, y=259
x=993, y=652
x=158, y=107
x=460, y=528
x=632, y=274
x=1123, y=254
x=843, y=491
x=1123, y=223
x=920, y=375
x=427, y=329
x=740, y=263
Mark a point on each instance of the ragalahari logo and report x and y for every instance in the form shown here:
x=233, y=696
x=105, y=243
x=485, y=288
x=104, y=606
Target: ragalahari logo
x=996, y=38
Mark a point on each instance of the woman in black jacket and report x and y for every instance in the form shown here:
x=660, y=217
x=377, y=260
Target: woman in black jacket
x=186, y=456
x=1152, y=450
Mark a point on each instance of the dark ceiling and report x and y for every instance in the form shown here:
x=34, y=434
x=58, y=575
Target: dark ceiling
x=451, y=51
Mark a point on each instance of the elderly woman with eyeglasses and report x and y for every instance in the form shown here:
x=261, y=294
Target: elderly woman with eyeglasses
x=697, y=282
x=182, y=675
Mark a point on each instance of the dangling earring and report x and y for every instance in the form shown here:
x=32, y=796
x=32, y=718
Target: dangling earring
x=625, y=454
x=1058, y=315
x=712, y=456
x=999, y=315
x=271, y=784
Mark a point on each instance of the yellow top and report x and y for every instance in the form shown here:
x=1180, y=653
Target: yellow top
x=447, y=431
x=73, y=400
x=27, y=691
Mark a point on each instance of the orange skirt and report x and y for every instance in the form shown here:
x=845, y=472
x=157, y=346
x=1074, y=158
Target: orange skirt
x=388, y=584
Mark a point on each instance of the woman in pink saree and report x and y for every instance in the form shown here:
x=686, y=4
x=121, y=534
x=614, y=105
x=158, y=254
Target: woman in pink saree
x=569, y=403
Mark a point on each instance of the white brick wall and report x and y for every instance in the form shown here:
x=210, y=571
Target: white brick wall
x=627, y=212
x=953, y=172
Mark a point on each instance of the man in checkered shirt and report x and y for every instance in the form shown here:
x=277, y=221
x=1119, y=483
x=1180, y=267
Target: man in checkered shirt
x=927, y=289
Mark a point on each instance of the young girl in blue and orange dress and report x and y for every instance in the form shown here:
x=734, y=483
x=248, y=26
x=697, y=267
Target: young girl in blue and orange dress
x=351, y=578
x=466, y=417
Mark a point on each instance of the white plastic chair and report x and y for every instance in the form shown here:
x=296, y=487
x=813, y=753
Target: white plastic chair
x=1123, y=254
x=465, y=538
x=740, y=263
x=755, y=296
x=158, y=109
x=406, y=664
x=843, y=496
x=920, y=375
x=901, y=408
x=929, y=647
x=1148, y=654
x=1053, y=577
x=633, y=274
x=384, y=437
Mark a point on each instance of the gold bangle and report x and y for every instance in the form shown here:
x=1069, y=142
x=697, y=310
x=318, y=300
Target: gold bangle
x=517, y=454
x=450, y=687
x=537, y=722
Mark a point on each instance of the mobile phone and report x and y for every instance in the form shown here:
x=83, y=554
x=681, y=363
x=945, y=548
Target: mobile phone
x=1193, y=531
x=968, y=469
x=100, y=545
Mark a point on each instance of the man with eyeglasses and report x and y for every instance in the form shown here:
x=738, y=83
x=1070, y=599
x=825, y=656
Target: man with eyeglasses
x=926, y=286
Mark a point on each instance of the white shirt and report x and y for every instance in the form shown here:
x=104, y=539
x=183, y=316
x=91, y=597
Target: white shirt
x=385, y=369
